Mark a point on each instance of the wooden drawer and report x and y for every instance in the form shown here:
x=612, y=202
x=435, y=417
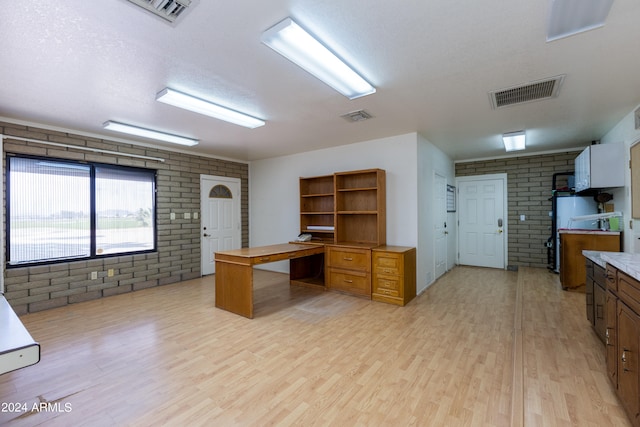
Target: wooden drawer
x=388, y=285
x=629, y=291
x=353, y=282
x=350, y=258
x=388, y=263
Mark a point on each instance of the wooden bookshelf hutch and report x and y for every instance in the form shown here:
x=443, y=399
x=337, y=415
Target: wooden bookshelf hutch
x=346, y=211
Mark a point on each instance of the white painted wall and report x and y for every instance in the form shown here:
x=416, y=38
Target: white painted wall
x=409, y=161
x=274, y=205
x=626, y=132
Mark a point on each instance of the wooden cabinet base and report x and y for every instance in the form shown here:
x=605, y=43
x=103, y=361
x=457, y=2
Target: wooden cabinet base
x=573, y=273
x=394, y=274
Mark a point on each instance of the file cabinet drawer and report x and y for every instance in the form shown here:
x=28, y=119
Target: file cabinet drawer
x=388, y=263
x=356, y=259
x=350, y=281
x=388, y=285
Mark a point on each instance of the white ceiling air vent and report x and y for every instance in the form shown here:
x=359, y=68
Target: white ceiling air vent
x=357, y=116
x=542, y=89
x=168, y=10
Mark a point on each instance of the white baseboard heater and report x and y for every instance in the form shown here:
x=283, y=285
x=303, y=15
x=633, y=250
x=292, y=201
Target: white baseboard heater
x=17, y=348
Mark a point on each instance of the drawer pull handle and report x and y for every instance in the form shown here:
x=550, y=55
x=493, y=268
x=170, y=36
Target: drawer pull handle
x=348, y=281
x=348, y=259
x=266, y=258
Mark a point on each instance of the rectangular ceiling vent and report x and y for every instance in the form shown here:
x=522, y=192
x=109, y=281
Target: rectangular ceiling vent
x=542, y=89
x=356, y=116
x=169, y=10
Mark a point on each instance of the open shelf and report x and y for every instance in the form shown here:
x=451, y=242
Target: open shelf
x=317, y=208
x=353, y=203
x=361, y=207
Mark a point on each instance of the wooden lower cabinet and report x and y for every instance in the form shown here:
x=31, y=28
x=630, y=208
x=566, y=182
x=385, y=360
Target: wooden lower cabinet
x=394, y=274
x=572, y=243
x=623, y=340
x=596, y=296
x=348, y=269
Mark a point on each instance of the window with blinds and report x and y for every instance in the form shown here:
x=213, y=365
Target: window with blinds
x=59, y=210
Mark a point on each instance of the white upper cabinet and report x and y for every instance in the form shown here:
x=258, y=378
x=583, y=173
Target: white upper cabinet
x=600, y=166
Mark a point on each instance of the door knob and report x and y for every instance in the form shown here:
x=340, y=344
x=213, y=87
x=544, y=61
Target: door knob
x=206, y=235
x=499, y=230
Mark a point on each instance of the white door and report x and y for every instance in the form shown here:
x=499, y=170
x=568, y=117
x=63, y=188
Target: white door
x=440, y=225
x=220, y=223
x=482, y=220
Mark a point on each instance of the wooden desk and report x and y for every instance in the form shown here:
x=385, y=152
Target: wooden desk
x=234, y=272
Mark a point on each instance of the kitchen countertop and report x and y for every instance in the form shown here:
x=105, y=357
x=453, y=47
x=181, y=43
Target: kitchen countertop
x=586, y=231
x=624, y=261
x=595, y=256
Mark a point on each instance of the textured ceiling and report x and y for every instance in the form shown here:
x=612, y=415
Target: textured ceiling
x=75, y=64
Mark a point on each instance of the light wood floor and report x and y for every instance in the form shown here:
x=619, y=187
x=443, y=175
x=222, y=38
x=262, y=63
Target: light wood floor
x=480, y=347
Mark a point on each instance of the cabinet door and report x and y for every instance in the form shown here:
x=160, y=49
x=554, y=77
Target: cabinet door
x=573, y=272
x=599, y=301
x=581, y=167
x=628, y=336
x=589, y=296
x=611, y=338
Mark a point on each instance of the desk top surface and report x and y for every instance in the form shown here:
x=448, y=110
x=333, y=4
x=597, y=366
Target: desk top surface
x=13, y=334
x=261, y=251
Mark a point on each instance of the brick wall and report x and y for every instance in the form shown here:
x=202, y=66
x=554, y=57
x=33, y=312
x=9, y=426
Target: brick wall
x=529, y=182
x=30, y=289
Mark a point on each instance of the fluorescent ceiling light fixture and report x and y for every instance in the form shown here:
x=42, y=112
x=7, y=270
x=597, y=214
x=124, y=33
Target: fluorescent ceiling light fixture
x=294, y=43
x=569, y=17
x=514, y=141
x=148, y=133
x=197, y=105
